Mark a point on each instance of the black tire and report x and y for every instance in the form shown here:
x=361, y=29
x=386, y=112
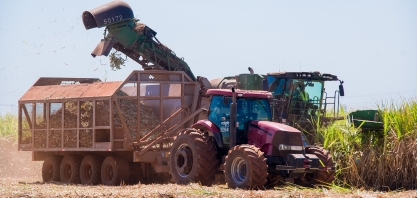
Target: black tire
x=319, y=177
x=50, y=168
x=193, y=158
x=272, y=181
x=246, y=168
x=115, y=171
x=90, y=170
x=70, y=169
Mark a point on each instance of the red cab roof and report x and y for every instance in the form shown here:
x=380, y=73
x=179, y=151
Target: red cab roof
x=240, y=93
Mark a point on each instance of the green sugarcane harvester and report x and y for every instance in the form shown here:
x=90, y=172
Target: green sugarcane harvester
x=138, y=41
x=304, y=111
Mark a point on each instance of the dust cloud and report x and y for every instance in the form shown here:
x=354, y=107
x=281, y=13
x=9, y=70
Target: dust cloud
x=17, y=165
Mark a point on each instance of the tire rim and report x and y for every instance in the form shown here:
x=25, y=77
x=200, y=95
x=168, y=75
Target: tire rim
x=109, y=173
x=67, y=171
x=238, y=170
x=88, y=172
x=183, y=160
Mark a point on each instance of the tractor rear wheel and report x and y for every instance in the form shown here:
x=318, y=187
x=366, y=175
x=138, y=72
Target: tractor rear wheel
x=246, y=168
x=193, y=158
x=50, y=168
x=70, y=169
x=114, y=171
x=90, y=170
x=319, y=177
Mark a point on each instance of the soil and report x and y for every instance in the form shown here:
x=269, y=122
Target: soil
x=21, y=177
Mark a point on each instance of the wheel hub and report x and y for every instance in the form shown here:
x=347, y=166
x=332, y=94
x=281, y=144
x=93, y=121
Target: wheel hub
x=109, y=172
x=67, y=171
x=238, y=170
x=183, y=160
x=88, y=172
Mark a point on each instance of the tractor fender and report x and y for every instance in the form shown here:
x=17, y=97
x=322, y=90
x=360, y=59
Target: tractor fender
x=211, y=128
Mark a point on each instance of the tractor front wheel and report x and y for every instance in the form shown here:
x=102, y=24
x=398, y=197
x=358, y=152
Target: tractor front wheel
x=319, y=177
x=246, y=168
x=193, y=158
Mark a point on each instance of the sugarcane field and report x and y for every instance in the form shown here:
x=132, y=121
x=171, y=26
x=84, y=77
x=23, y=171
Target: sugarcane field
x=208, y=99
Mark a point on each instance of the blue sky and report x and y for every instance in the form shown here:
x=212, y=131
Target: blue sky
x=371, y=45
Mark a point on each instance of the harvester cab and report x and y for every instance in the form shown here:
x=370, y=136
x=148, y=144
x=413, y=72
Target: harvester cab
x=301, y=100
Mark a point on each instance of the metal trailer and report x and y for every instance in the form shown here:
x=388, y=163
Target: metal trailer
x=87, y=131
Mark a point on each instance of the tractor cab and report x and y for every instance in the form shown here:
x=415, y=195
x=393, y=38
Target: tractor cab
x=300, y=97
x=251, y=105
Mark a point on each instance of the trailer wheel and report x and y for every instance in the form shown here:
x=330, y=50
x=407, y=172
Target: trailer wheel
x=246, y=168
x=115, y=170
x=319, y=177
x=193, y=158
x=50, y=168
x=70, y=169
x=90, y=170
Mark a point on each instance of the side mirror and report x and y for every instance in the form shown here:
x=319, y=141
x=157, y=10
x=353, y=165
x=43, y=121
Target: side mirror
x=341, y=90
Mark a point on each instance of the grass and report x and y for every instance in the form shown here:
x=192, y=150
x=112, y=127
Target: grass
x=378, y=160
x=8, y=125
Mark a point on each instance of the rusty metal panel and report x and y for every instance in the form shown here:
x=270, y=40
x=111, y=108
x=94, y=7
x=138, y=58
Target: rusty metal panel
x=75, y=91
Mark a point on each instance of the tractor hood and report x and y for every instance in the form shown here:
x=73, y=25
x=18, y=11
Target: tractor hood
x=270, y=135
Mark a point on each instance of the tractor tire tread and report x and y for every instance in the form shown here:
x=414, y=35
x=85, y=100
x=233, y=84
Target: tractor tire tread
x=258, y=169
x=205, y=151
x=323, y=177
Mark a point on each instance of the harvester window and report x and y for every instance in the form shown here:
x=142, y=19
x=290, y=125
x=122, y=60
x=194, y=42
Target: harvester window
x=306, y=97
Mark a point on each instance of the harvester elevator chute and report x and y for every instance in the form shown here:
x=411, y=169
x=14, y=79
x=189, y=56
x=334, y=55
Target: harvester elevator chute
x=136, y=40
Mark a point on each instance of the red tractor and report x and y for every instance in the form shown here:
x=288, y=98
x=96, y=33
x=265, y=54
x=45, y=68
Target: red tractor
x=239, y=138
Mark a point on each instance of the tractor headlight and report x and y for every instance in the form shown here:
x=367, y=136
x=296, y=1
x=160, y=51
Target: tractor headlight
x=289, y=147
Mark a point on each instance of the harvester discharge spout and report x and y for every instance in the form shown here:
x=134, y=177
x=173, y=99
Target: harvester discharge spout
x=126, y=34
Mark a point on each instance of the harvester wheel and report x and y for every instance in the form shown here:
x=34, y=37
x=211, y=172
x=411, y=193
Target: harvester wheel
x=50, y=168
x=246, y=168
x=319, y=177
x=90, y=170
x=193, y=158
x=70, y=169
x=115, y=171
